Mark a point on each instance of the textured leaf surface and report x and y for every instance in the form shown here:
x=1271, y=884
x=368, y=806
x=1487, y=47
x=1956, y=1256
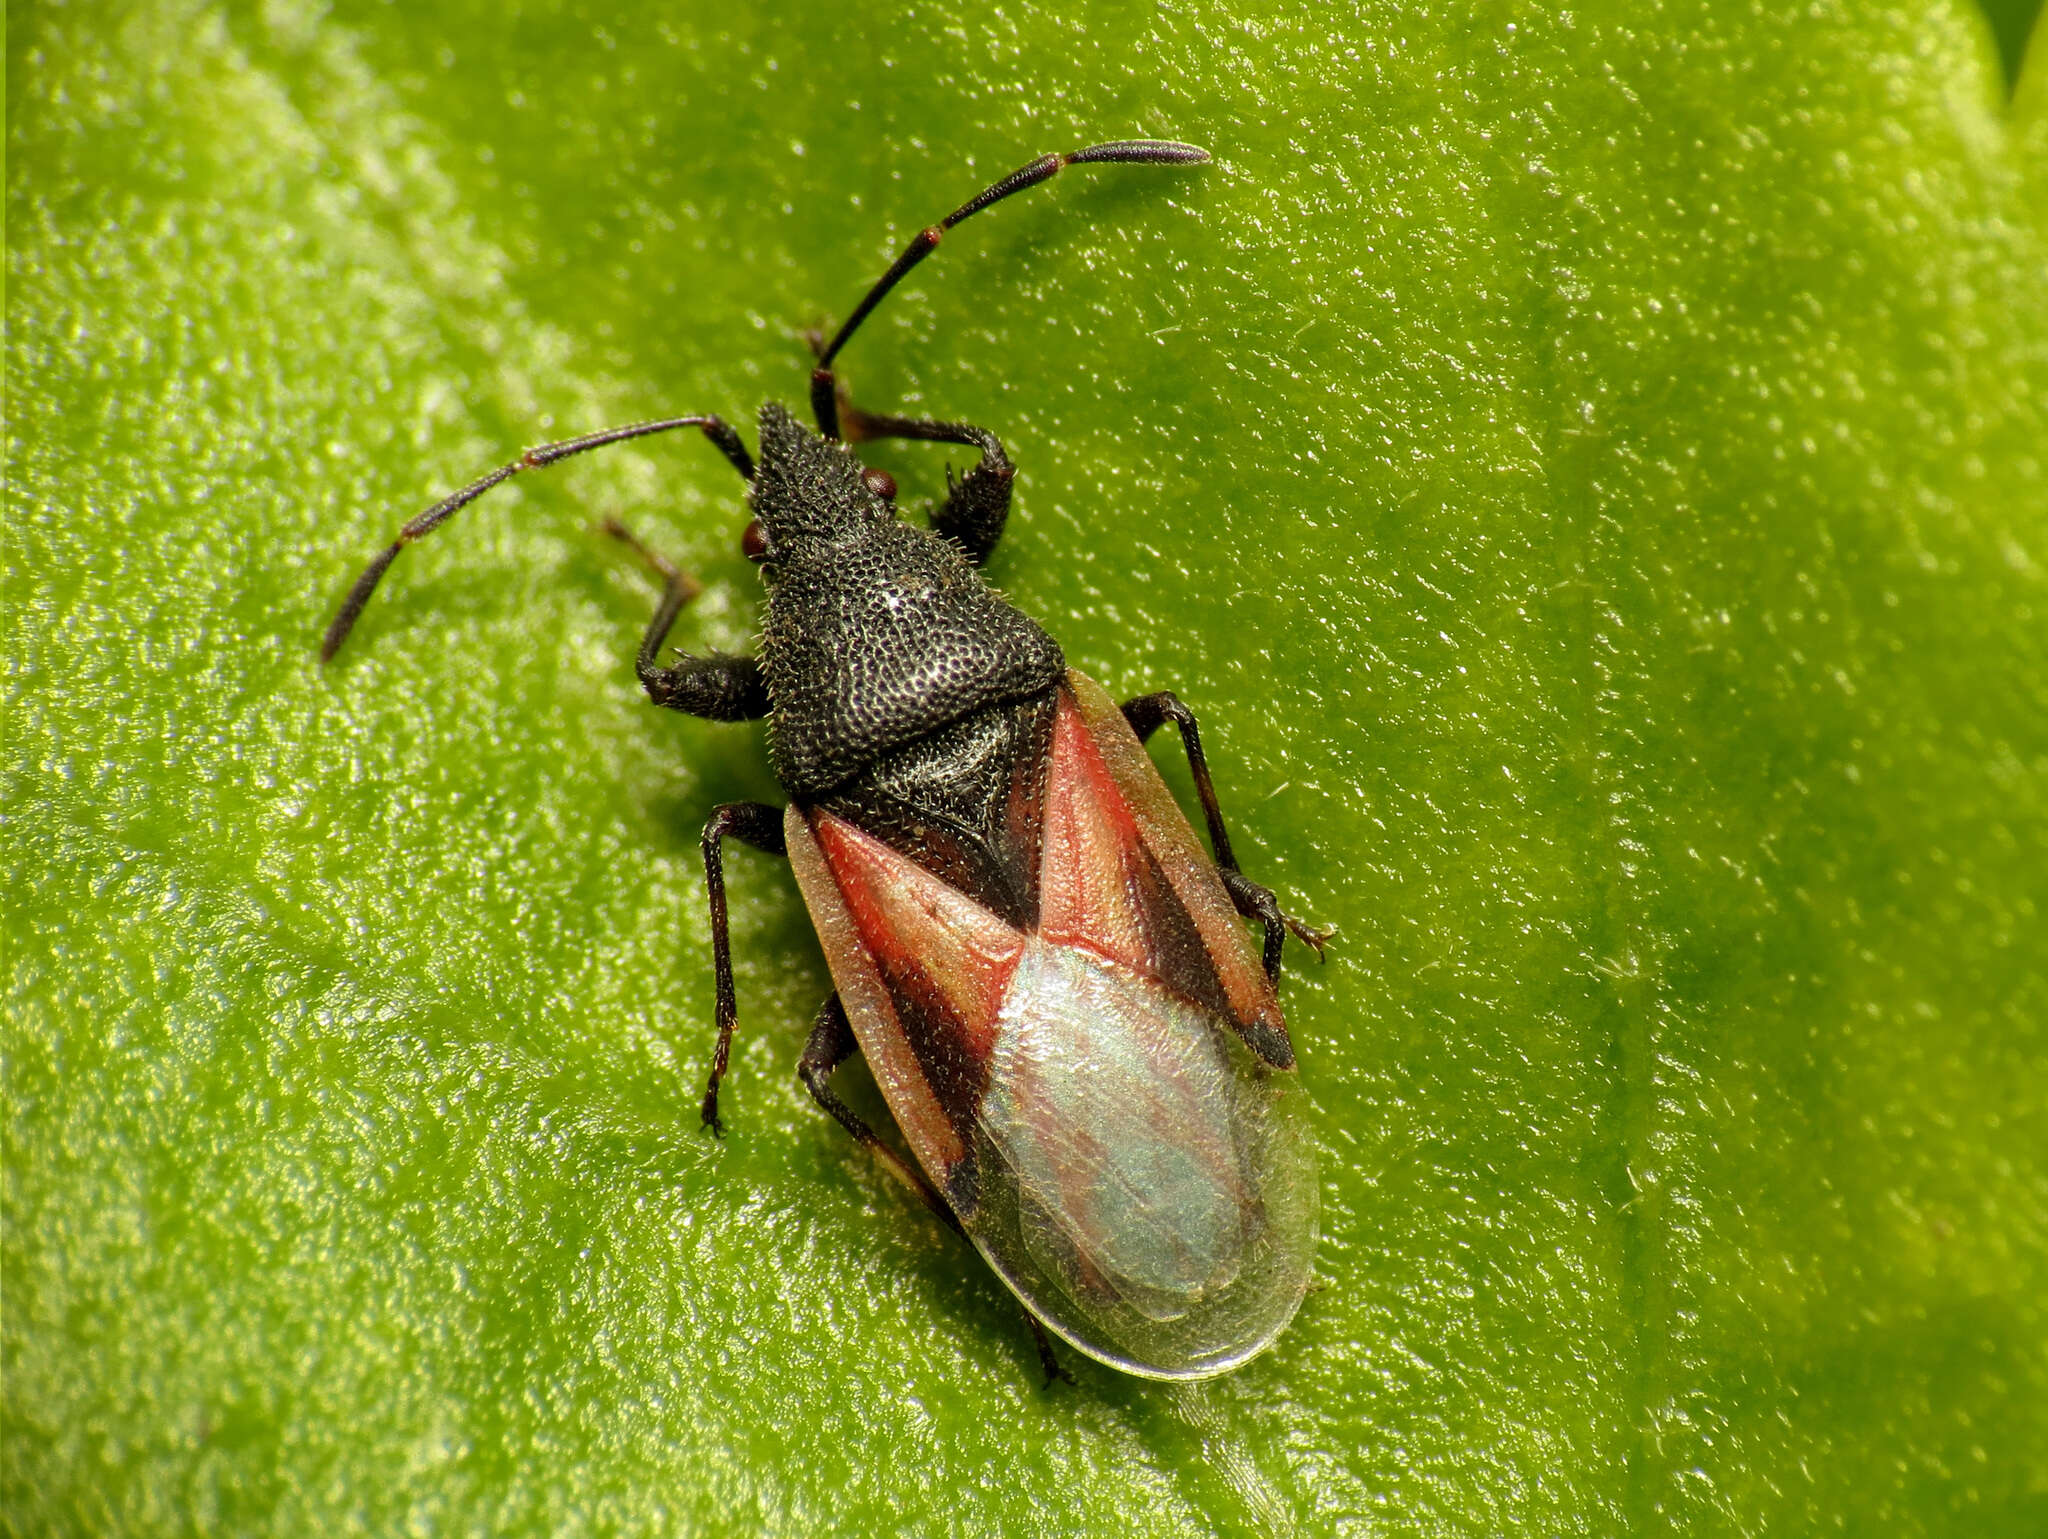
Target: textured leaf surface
x=1585, y=465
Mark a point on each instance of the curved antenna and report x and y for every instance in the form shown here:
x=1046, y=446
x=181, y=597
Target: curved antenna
x=1147, y=152
x=351, y=610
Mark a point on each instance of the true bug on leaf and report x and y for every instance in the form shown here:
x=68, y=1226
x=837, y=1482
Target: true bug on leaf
x=1048, y=977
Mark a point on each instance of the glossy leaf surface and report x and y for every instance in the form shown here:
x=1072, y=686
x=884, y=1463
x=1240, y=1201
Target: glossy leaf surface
x=1586, y=467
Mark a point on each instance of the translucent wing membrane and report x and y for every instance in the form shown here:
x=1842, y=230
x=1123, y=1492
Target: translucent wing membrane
x=1084, y=1089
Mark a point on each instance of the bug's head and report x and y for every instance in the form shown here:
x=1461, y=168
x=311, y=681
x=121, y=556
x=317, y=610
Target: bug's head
x=810, y=491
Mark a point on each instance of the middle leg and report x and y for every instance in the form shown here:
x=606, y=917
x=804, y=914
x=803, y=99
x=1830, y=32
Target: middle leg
x=1147, y=714
x=760, y=825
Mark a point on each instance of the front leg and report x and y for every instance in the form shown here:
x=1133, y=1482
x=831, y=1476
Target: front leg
x=1146, y=714
x=718, y=688
x=760, y=825
x=977, y=504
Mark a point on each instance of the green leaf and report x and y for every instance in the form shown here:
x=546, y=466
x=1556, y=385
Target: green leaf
x=1586, y=467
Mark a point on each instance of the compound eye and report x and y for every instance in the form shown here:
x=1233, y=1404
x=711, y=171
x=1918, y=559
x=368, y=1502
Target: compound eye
x=754, y=543
x=881, y=483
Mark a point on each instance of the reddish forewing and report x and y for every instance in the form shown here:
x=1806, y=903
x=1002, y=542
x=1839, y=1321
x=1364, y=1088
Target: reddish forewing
x=922, y=969
x=1119, y=771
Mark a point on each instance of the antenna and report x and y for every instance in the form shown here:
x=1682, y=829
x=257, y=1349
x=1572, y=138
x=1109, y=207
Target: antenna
x=1145, y=152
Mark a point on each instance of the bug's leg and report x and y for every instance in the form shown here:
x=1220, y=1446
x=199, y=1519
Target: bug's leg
x=716, y=687
x=760, y=825
x=537, y=458
x=1054, y=1373
x=978, y=503
x=1147, y=714
x=831, y=1044
x=1148, y=152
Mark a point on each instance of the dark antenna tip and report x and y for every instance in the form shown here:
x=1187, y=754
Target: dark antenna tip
x=1153, y=152
x=351, y=609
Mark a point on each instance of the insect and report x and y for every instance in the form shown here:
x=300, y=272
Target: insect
x=1050, y=980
